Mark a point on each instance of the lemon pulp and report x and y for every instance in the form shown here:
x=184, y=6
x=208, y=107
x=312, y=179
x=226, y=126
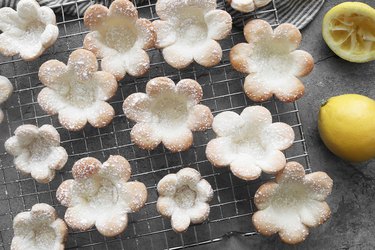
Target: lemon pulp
x=349, y=30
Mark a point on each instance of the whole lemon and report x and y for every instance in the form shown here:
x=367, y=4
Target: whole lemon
x=347, y=126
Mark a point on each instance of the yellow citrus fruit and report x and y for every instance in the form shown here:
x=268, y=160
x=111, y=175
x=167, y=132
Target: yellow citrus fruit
x=349, y=30
x=347, y=126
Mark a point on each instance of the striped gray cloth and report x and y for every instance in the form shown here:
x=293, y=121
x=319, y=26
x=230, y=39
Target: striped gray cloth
x=297, y=12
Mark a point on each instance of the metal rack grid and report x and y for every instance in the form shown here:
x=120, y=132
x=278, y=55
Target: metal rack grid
x=232, y=206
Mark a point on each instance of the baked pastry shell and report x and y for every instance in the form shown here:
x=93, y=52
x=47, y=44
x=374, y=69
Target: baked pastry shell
x=101, y=195
x=37, y=151
x=249, y=143
x=167, y=113
x=271, y=61
x=29, y=31
x=184, y=198
x=292, y=203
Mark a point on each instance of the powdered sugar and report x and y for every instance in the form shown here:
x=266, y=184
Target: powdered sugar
x=249, y=143
x=37, y=151
x=167, y=113
x=39, y=229
x=119, y=38
x=184, y=198
x=187, y=31
x=290, y=205
x=101, y=195
x=77, y=91
x=271, y=61
x=28, y=31
x=6, y=89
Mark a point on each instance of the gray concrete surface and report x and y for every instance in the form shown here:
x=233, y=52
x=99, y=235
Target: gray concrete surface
x=352, y=224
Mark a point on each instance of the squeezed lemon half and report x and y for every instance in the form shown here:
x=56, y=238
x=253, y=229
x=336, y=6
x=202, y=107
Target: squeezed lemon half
x=349, y=30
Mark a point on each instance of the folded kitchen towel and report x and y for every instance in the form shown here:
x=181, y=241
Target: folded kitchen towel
x=297, y=12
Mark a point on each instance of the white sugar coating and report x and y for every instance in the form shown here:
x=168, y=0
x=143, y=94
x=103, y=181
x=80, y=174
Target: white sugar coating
x=290, y=206
x=119, y=38
x=184, y=197
x=169, y=111
x=6, y=89
x=272, y=61
x=27, y=35
x=186, y=32
x=38, y=229
x=119, y=34
x=37, y=154
x=101, y=197
x=247, y=5
x=248, y=142
x=168, y=114
x=191, y=28
x=77, y=92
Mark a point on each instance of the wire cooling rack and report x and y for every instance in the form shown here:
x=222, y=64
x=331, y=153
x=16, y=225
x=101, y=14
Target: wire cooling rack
x=232, y=205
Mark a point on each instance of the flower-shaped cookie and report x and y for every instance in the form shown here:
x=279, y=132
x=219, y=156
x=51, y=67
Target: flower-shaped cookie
x=247, y=5
x=188, y=31
x=37, y=151
x=184, y=198
x=6, y=89
x=167, y=113
x=119, y=37
x=77, y=92
x=292, y=204
x=249, y=143
x=29, y=31
x=101, y=195
x=39, y=229
x=271, y=61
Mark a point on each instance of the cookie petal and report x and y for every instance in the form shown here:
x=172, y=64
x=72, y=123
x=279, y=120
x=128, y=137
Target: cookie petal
x=116, y=168
x=137, y=62
x=180, y=140
x=319, y=185
x=219, y=24
x=79, y=217
x=145, y=136
x=219, y=153
x=178, y=56
x=191, y=89
x=208, y=54
x=159, y=85
x=167, y=185
x=287, y=36
x=83, y=63
x=166, y=34
x=137, y=107
x=72, y=118
x=166, y=206
x=200, y=118
x=134, y=193
x=114, y=64
x=227, y=123
x=303, y=63
x=199, y=212
x=112, y=224
x=240, y=57
x=100, y=114
x=107, y=85
x=180, y=221
x=245, y=168
x=278, y=136
x=146, y=34
x=257, y=31
x=256, y=89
